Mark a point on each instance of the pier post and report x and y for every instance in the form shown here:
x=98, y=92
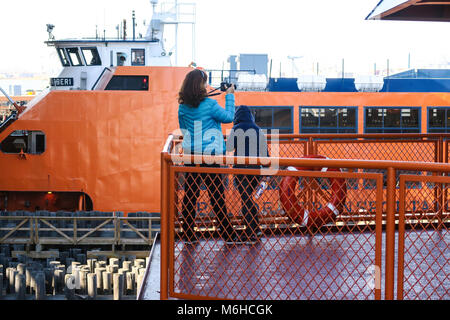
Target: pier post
x=140, y=281
x=130, y=283
x=99, y=272
x=83, y=280
x=91, y=264
x=12, y=278
x=33, y=281
x=40, y=286
x=124, y=273
x=58, y=281
x=118, y=286
x=107, y=282
x=126, y=265
x=28, y=280
x=21, y=268
x=20, y=286
x=69, y=288
x=92, y=286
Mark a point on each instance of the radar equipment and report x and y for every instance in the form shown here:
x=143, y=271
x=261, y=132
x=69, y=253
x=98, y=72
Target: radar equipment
x=50, y=28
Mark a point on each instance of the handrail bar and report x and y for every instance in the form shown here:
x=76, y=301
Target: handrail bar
x=304, y=162
x=346, y=135
x=18, y=108
x=168, y=145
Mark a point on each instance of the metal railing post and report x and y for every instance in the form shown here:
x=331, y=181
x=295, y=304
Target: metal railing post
x=390, y=234
x=310, y=146
x=401, y=239
x=164, y=293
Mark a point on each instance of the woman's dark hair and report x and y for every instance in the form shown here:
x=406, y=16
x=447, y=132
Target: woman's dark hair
x=193, y=89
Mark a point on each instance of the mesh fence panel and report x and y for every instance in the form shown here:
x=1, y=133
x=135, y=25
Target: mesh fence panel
x=424, y=238
x=313, y=233
x=303, y=245
x=403, y=150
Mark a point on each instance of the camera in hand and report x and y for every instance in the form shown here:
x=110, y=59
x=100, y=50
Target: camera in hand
x=225, y=85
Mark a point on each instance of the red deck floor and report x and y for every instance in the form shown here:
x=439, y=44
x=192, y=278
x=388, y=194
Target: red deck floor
x=331, y=266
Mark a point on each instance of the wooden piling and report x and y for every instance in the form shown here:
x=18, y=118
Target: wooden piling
x=118, y=286
x=20, y=286
x=92, y=286
x=107, y=282
x=40, y=286
x=69, y=286
x=1, y=286
x=99, y=273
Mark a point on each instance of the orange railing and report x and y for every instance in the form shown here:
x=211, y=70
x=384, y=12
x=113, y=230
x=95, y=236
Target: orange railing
x=375, y=229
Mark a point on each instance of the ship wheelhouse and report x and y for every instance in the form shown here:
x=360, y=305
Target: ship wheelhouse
x=85, y=62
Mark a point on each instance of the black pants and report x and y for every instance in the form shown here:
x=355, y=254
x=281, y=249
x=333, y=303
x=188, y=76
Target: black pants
x=246, y=186
x=216, y=191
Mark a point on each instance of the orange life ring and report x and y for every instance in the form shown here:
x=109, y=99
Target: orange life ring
x=317, y=217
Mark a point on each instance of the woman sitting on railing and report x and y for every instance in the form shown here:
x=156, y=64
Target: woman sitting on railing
x=200, y=121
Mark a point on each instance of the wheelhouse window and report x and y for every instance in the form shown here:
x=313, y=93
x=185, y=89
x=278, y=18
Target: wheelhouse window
x=26, y=141
x=392, y=120
x=138, y=57
x=138, y=83
x=438, y=119
x=63, y=57
x=74, y=57
x=328, y=120
x=269, y=118
x=91, y=56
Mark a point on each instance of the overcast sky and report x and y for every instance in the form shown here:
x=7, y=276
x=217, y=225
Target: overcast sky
x=323, y=31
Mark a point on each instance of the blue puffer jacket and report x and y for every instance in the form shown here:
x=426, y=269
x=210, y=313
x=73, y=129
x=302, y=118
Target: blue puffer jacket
x=201, y=126
x=246, y=138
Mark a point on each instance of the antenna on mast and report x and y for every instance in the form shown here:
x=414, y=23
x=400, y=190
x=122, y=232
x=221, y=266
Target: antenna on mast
x=154, y=3
x=294, y=67
x=50, y=28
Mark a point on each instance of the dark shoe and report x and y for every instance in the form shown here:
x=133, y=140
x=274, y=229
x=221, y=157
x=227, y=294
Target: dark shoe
x=252, y=240
x=235, y=240
x=253, y=236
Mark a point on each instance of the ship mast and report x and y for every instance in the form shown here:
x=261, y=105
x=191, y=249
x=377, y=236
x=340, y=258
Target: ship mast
x=172, y=14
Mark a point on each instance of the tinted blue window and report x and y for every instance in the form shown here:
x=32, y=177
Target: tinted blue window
x=438, y=119
x=269, y=118
x=392, y=120
x=328, y=120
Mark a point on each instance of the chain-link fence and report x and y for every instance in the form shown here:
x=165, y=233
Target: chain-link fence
x=314, y=229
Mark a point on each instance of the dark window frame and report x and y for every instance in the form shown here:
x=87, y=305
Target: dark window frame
x=26, y=135
x=97, y=56
x=134, y=50
x=289, y=129
x=144, y=84
x=443, y=129
x=337, y=128
x=78, y=55
x=397, y=129
x=62, y=54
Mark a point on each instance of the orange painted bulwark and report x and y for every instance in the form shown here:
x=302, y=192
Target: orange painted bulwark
x=103, y=143
x=107, y=144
